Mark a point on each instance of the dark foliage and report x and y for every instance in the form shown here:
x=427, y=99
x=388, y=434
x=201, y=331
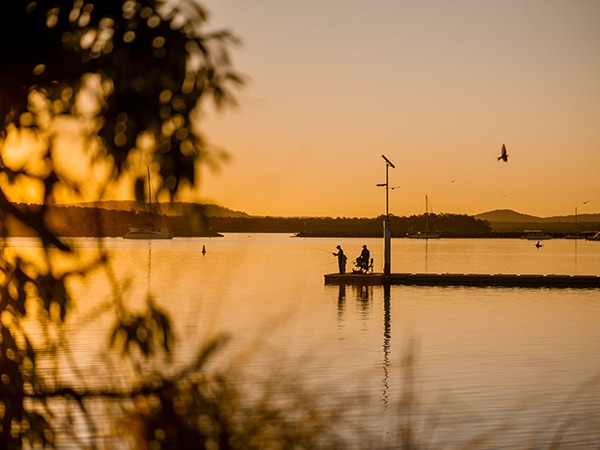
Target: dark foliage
x=145, y=68
x=146, y=80
x=450, y=225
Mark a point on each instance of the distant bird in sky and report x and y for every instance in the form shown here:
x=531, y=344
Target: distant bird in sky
x=538, y=245
x=504, y=155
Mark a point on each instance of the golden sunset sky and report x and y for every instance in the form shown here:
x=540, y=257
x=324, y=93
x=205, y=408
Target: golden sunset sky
x=436, y=86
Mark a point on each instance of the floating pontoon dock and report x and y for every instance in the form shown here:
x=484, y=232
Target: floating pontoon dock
x=467, y=279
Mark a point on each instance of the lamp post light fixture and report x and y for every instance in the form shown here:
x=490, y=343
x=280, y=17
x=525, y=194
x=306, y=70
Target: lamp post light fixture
x=387, y=232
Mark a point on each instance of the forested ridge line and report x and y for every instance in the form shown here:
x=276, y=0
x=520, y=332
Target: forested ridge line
x=197, y=220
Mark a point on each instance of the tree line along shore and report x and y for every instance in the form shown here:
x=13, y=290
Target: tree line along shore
x=210, y=221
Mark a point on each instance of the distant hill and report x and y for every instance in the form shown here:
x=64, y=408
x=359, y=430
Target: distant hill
x=508, y=215
x=508, y=221
x=169, y=209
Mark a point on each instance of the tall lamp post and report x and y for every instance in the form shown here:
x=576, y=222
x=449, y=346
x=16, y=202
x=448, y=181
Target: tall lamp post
x=387, y=232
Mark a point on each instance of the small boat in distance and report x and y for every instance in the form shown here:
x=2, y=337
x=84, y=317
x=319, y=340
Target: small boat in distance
x=148, y=231
x=426, y=234
x=577, y=234
x=536, y=235
x=594, y=237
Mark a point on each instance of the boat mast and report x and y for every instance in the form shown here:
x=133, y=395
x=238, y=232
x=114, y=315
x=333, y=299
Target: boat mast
x=426, y=214
x=149, y=193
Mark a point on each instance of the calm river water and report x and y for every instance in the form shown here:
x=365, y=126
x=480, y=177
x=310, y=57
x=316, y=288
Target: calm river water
x=518, y=363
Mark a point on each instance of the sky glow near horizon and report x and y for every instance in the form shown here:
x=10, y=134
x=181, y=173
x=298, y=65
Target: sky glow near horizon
x=436, y=86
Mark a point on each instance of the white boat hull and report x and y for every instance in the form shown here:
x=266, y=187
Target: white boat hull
x=424, y=235
x=536, y=235
x=147, y=233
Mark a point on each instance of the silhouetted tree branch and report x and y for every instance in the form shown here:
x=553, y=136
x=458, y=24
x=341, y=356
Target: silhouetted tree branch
x=133, y=75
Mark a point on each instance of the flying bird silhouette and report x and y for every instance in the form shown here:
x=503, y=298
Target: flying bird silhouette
x=504, y=155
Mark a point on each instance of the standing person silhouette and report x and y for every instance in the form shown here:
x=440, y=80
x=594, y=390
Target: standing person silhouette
x=341, y=259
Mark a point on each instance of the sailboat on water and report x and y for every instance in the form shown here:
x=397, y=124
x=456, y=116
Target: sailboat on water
x=148, y=231
x=426, y=234
x=577, y=234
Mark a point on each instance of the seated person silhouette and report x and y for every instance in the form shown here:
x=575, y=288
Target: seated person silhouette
x=363, y=262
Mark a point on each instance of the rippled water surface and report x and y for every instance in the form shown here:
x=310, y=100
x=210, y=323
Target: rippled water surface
x=514, y=361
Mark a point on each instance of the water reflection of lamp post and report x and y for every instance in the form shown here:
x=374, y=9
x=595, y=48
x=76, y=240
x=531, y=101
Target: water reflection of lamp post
x=387, y=233
x=387, y=340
